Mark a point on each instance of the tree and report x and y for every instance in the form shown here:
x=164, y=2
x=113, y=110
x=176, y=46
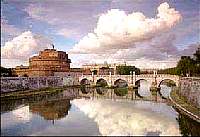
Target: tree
x=6, y=72
x=125, y=70
x=197, y=62
x=197, y=55
x=94, y=72
x=185, y=66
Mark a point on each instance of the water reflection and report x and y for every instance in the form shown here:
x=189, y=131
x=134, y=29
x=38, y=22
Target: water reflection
x=137, y=93
x=188, y=126
x=101, y=90
x=22, y=113
x=165, y=90
x=118, y=93
x=85, y=89
x=121, y=91
x=51, y=110
x=144, y=88
x=7, y=106
x=101, y=113
x=130, y=118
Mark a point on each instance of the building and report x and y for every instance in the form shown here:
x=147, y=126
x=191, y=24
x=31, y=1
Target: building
x=74, y=72
x=46, y=63
x=21, y=71
x=102, y=68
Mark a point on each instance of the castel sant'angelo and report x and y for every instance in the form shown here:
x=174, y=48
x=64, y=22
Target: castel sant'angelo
x=45, y=64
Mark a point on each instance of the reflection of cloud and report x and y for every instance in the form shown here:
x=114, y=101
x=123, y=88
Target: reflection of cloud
x=22, y=113
x=51, y=110
x=138, y=118
x=76, y=123
x=19, y=116
x=144, y=89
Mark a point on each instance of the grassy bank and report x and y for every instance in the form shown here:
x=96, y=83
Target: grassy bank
x=29, y=93
x=182, y=101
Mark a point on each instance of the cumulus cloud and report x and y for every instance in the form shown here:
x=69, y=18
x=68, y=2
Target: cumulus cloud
x=24, y=45
x=118, y=30
x=116, y=118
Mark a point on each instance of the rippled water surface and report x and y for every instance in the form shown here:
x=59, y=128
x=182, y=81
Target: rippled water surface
x=94, y=113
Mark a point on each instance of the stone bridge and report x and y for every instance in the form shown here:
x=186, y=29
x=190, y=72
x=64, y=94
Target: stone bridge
x=131, y=80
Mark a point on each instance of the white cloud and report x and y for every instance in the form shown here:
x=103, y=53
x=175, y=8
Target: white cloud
x=116, y=118
x=118, y=30
x=24, y=45
x=10, y=63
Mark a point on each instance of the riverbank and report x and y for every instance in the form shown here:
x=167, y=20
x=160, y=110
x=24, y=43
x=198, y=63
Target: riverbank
x=29, y=93
x=181, y=104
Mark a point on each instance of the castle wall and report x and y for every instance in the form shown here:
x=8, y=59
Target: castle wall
x=45, y=64
x=9, y=84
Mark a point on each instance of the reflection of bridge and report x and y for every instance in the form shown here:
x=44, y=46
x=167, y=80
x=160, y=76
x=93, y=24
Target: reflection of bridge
x=105, y=93
x=130, y=79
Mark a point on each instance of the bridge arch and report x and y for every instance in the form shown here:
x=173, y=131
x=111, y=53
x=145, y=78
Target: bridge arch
x=144, y=90
x=85, y=81
x=101, y=82
x=137, y=82
x=121, y=83
x=172, y=82
x=165, y=90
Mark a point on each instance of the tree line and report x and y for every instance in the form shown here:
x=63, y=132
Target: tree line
x=127, y=70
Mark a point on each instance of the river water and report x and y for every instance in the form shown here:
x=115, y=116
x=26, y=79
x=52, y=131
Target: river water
x=95, y=112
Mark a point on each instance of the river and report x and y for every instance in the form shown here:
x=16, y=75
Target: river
x=96, y=112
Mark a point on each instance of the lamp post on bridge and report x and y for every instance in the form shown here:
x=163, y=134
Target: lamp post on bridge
x=155, y=75
x=110, y=78
x=134, y=76
x=92, y=76
x=132, y=73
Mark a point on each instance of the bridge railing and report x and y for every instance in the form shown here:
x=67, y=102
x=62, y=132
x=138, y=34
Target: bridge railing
x=142, y=75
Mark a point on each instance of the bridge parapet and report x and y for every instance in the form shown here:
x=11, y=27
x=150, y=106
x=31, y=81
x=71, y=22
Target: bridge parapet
x=131, y=79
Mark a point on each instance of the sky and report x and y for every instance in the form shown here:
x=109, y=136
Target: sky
x=144, y=33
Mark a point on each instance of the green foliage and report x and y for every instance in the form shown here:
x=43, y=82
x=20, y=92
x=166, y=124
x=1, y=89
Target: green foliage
x=169, y=83
x=101, y=84
x=125, y=70
x=6, y=72
x=84, y=89
x=188, y=126
x=121, y=91
x=95, y=72
x=172, y=71
x=197, y=55
x=186, y=66
x=101, y=90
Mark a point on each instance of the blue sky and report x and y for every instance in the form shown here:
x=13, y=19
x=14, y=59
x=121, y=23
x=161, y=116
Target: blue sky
x=67, y=22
